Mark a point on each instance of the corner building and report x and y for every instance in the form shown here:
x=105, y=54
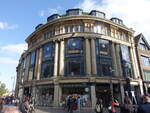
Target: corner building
x=79, y=53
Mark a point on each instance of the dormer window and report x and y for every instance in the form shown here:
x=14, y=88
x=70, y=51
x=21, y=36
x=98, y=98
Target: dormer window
x=117, y=20
x=72, y=12
x=142, y=45
x=53, y=17
x=97, y=13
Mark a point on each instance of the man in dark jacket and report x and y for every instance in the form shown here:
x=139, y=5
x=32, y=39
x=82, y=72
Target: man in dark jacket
x=145, y=108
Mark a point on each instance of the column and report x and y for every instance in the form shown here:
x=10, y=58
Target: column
x=118, y=60
x=93, y=57
x=39, y=64
x=93, y=95
x=61, y=59
x=27, y=67
x=134, y=62
x=36, y=64
x=114, y=60
x=56, y=60
x=122, y=93
x=33, y=94
x=88, y=57
x=56, y=95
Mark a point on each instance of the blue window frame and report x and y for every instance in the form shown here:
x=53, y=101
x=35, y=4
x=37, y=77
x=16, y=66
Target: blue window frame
x=47, y=68
x=145, y=60
x=74, y=58
x=103, y=57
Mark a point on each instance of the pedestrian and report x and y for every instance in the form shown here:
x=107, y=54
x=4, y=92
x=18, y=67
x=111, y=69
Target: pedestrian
x=145, y=108
x=79, y=103
x=1, y=104
x=99, y=106
x=127, y=107
x=24, y=106
x=113, y=105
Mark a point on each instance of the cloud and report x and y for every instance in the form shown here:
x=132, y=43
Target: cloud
x=4, y=25
x=49, y=11
x=7, y=60
x=134, y=13
x=14, y=48
x=41, y=13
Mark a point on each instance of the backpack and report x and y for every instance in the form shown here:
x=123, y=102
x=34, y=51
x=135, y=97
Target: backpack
x=97, y=108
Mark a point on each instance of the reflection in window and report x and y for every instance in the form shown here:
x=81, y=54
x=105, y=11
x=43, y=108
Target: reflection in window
x=74, y=58
x=125, y=60
x=32, y=66
x=145, y=60
x=47, y=60
x=104, y=59
x=24, y=65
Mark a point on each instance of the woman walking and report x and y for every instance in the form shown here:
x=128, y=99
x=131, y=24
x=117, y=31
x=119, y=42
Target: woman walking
x=99, y=106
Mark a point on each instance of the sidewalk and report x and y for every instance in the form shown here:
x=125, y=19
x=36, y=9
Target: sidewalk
x=60, y=110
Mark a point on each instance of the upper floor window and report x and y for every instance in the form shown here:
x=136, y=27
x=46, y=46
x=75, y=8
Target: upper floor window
x=126, y=61
x=32, y=58
x=24, y=62
x=48, y=51
x=145, y=60
x=74, y=46
x=103, y=47
x=146, y=75
x=97, y=14
x=104, y=60
x=74, y=59
x=47, y=68
x=142, y=45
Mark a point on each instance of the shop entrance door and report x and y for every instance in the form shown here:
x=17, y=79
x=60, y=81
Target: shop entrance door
x=104, y=93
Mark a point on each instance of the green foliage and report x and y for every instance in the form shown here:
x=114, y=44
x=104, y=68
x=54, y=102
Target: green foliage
x=3, y=89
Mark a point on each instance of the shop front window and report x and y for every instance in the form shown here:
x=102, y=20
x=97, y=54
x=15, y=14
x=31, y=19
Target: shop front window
x=74, y=57
x=48, y=60
x=104, y=59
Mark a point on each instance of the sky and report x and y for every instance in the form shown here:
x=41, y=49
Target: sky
x=19, y=18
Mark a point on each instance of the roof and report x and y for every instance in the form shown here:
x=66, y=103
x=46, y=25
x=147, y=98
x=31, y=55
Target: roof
x=141, y=36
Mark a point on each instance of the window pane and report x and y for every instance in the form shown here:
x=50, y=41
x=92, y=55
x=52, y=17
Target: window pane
x=145, y=61
x=125, y=53
x=48, y=51
x=104, y=47
x=147, y=75
x=74, y=68
x=32, y=58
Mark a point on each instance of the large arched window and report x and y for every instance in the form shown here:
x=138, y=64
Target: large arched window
x=48, y=60
x=103, y=57
x=74, y=58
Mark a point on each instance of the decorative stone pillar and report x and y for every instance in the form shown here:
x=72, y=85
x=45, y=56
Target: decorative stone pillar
x=114, y=62
x=118, y=60
x=93, y=96
x=88, y=57
x=36, y=64
x=122, y=93
x=39, y=64
x=27, y=67
x=61, y=59
x=93, y=57
x=56, y=60
x=56, y=94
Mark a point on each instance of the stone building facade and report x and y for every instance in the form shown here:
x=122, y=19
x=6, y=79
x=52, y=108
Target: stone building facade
x=79, y=53
x=143, y=54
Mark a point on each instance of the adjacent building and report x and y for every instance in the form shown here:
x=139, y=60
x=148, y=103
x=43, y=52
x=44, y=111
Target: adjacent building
x=79, y=53
x=143, y=54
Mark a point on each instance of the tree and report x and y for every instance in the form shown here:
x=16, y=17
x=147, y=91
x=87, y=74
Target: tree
x=3, y=89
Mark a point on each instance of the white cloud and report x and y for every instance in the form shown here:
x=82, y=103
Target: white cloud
x=7, y=60
x=14, y=48
x=134, y=13
x=41, y=13
x=4, y=25
x=49, y=11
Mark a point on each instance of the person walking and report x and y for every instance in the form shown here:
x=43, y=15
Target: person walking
x=112, y=107
x=1, y=104
x=127, y=107
x=99, y=106
x=24, y=106
x=145, y=108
